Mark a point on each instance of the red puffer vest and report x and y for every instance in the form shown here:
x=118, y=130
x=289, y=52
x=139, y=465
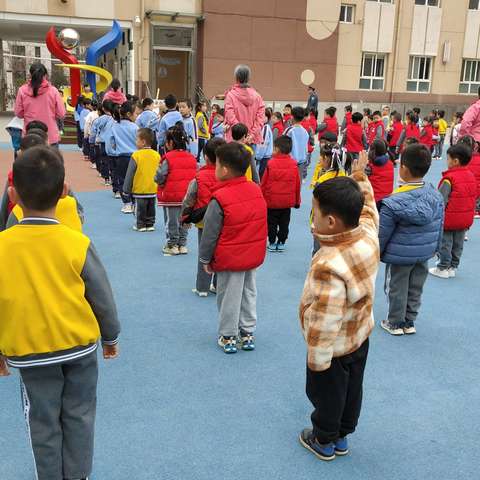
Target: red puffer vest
x=281, y=182
x=395, y=133
x=381, y=179
x=332, y=126
x=182, y=168
x=305, y=123
x=206, y=183
x=426, y=138
x=461, y=203
x=348, y=118
x=243, y=240
x=372, y=131
x=412, y=130
x=354, y=142
x=474, y=167
x=279, y=127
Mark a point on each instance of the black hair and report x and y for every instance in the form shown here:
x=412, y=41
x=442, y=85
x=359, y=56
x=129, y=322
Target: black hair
x=198, y=107
x=348, y=108
x=40, y=133
x=125, y=109
x=459, y=115
x=109, y=106
x=441, y=113
x=460, y=152
x=411, y=141
x=147, y=135
x=115, y=85
x=177, y=136
x=216, y=106
x=37, y=124
x=211, y=147
x=31, y=140
x=235, y=157
x=357, y=117
x=341, y=197
x=170, y=101
x=278, y=115
x=377, y=112
x=146, y=102
x=239, y=131
x=397, y=116
x=298, y=113
x=86, y=101
x=79, y=102
x=94, y=104
x=417, y=158
x=284, y=144
x=221, y=112
x=331, y=111
x=38, y=177
x=411, y=116
x=377, y=149
x=329, y=137
x=188, y=103
x=334, y=153
x=367, y=112
x=468, y=141
x=428, y=119
x=268, y=113
x=86, y=85
x=288, y=105
x=417, y=110
x=37, y=73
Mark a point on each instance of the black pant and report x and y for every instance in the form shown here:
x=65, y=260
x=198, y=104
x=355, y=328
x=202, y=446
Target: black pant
x=102, y=161
x=336, y=394
x=79, y=136
x=112, y=166
x=261, y=166
x=145, y=211
x=278, y=222
x=201, y=144
x=121, y=171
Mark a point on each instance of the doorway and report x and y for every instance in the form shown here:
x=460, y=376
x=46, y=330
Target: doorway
x=172, y=73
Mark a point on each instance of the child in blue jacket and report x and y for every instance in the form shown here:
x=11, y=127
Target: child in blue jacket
x=411, y=225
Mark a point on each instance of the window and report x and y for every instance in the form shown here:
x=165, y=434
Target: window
x=172, y=37
x=419, y=74
x=430, y=3
x=346, y=14
x=37, y=52
x=470, y=77
x=473, y=5
x=382, y=1
x=372, y=74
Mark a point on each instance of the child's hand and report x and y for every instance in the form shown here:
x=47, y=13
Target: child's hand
x=360, y=164
x=208, y=269
x=110, y=351
x=4, y=371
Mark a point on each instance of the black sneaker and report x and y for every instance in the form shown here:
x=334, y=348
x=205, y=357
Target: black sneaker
x=324, y=452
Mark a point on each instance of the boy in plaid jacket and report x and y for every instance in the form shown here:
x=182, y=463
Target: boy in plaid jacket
x=336, y=308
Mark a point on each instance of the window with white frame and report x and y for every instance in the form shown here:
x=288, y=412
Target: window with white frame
x=419, y=74
x=372, y=74
x=347, y=13
x=474, y=5
x=382, y=1
x=430, y=3
x=470, y=77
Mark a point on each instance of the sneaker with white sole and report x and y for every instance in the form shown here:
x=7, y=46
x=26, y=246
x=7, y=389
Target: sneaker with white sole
x=248, y=341
x=439, y=272
x=183, y=250
x=452, y=272
x=324, y=452
x=229, y=344
x=127, y=208
x=200, y=294
x=213, y=289
x=341, y=446
x=409, y=330
x=392, y=330
x=117, y=195
x=170, y=250
x=151, y=229
x=141, y=229
x=477, y=215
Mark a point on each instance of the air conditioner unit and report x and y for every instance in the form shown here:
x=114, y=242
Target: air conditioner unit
x=447, y=51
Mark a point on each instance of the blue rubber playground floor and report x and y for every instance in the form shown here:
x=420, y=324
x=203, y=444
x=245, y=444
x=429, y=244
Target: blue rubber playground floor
x=173, y=406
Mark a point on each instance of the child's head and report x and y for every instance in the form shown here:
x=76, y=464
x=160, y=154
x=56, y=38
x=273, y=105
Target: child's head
x=86, y=88
x=331, y=157
x=327, y=137
x=277, y=117
x=377, y=149
x=38, y=179
x=240, y=132
x=145, y=138
x=428, y=120
x=377, y=116
x=176, y=138
x=282, y=145
x=441, y=114
x=287, y=109
x=411, y=141
x=415, y=162
x=397, y=117
x=219, y=117
x=411, y=117
x=171, y=101
x=417, y=111
x=147, y=103
x=201, y=107
x=87, y=103
x=357, y=117
x=330, y=112
x=115, y=85
x=458, y=117
x=185, y=107
x=33, y=140
x=109, y=107
x=348, y=109
x=215, y=108
x=385, y=110
x=367, y=112
x=210, y=149
x=337, y=205
x=298, y=114
x=458, y=155
x=233, y=159
x=39, y=133
x=468, y=141
x=36, y=124
x=126, y=112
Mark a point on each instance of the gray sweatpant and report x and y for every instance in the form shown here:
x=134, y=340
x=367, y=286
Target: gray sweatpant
x=237, y=302
x=204, y=279
x=451, y=249
x=59, y=403
x=175, y=232
x=404, y=287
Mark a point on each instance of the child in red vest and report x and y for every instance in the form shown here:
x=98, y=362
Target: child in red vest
x=411, y=130
x=354, y=138
x=287, y=116
x=195, y=204
x=394, y=135
x=426, y=135
x=459, y=190
x=277, y=125
x=474, y=166
x=281, y=190
x=307, y=125
x=330, y=123
x=376, y=128
x=233, y=245
x=347, y=119
x=380, y=171
x=177, y=168
x=313, y=119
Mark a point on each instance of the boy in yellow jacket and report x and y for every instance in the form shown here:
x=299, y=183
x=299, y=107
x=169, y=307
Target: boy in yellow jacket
x=56, y=303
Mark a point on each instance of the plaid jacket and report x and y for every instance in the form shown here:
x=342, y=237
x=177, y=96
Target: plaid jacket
x=336, y=308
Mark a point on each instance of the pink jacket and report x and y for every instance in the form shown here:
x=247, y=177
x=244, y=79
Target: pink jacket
x=244, y=105
x=471, y=122
x=47, y=106
x=116, y=97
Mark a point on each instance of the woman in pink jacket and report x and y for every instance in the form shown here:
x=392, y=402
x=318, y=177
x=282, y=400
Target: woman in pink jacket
x=471, y=121
x=115, y=94
x=40, y=100
x=243, y=104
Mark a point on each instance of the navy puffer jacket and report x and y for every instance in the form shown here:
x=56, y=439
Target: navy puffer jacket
x=411, y=225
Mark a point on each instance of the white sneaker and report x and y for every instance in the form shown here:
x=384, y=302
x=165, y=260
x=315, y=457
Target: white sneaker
x=452, y=272
x=466, y=237
x=390, y=329
x=127, y=208
x=183, y=250
x=200, y=294
x=438, y=272
x=477, y=215
x=117, y=195
x=93, y=166
x=213, y=289
x=142, y=229
x=150, y=229
x=409, y=330
x=171, y=250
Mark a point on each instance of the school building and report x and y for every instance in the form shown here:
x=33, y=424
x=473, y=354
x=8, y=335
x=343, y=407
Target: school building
x=374, y=51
